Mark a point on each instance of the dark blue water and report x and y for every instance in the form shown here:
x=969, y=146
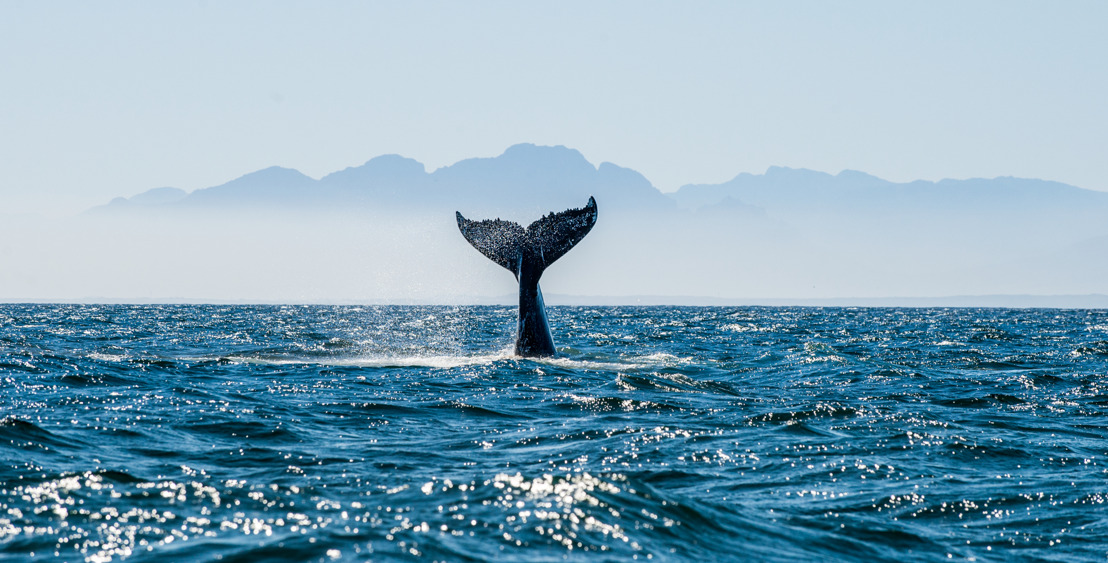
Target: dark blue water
x=377, y=433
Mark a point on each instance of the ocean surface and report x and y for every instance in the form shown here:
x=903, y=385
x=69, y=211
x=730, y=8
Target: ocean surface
x=319, y=433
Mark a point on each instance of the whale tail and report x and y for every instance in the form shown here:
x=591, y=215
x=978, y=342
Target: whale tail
x=526, y=253
x=537, y=246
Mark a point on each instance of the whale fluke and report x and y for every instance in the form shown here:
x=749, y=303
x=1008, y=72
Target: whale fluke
x=527, y=253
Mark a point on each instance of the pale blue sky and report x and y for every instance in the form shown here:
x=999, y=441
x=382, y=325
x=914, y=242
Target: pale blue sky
x=113, y=98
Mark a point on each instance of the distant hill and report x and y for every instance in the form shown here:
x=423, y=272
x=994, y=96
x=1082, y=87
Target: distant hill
x=1000, y=211
x=816, y=193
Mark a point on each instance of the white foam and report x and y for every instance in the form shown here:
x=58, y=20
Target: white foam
x=634, y=362
x=570, y=363
x=107, y=357
x=748, y=327
x=440, y=362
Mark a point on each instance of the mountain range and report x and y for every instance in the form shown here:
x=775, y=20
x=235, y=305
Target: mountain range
x=534, y=179
x=385, y=231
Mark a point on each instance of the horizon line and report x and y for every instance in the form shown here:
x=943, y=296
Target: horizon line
x=1003, y=301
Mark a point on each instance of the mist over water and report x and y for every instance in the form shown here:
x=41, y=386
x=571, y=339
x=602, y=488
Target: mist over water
x=276, y=258
x=352, y=433
x=403, y=258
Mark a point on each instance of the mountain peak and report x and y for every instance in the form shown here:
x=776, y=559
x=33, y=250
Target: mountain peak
x=273, y=173
x=530, y=151
x=268, y=185
x=545, y=159
x=522, y=166
x=387, y=167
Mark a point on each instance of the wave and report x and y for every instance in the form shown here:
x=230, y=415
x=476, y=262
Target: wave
x=451, y=361
x=28, y=435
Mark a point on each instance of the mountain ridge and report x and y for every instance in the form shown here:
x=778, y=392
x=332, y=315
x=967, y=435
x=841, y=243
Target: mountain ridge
x=551, y=172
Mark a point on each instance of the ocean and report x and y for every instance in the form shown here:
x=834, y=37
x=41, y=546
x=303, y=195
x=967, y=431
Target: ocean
x=347, y=433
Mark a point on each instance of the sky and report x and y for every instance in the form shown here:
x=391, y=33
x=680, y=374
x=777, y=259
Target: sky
x=110, y=99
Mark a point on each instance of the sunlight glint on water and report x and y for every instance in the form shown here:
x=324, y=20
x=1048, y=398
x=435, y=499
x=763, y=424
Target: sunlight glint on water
x=354, y=433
